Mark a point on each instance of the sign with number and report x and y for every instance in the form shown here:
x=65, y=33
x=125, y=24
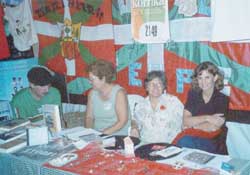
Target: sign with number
x=149, y=21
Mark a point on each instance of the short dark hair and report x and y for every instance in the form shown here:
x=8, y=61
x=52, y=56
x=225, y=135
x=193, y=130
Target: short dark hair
x=39, y=76
x=102, y=68
x=156, y=74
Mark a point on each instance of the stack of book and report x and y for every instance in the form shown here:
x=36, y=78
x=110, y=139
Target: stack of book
x=12, y=135
x=13, y=145
x=10, y=125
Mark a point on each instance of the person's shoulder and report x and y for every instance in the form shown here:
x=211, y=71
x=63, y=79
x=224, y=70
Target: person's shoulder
x=144, y=102
x=120, y=89
x=21, y=93
x=219, y=94
x=170, y=97
x=193, y=92
x=53, y=90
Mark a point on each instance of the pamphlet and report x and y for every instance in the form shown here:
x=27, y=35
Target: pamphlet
x=199, y=157
x=37, y=135
x=168, y=152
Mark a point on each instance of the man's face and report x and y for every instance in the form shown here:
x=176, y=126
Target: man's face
x=39, y=91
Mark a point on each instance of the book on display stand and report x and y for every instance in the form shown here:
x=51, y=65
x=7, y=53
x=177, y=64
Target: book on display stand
x=51, y=115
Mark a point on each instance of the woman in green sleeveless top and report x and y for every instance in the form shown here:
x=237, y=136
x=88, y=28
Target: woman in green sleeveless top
x=107, y=107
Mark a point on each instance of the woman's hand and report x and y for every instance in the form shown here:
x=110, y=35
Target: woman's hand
x=134, y=132
x=216, y=119
x=207, y=127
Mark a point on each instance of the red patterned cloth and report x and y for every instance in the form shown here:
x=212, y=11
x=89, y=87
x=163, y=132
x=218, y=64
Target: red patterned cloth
x=196, y=133
x=4, y=47
x=93, y=160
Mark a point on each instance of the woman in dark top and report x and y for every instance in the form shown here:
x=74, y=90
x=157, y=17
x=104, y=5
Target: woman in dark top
x=205, y=110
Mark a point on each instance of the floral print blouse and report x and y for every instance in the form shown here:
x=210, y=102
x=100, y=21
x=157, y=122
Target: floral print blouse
x=161, y=124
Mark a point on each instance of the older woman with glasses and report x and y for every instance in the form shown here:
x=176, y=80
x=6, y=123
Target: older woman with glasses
x=107, y=107
x=158, y=118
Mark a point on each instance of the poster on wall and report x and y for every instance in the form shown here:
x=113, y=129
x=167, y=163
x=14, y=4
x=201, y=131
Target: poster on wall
x=13, y=76
x=149, y=21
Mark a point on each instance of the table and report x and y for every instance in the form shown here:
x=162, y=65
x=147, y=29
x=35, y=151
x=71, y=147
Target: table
x=97, y=162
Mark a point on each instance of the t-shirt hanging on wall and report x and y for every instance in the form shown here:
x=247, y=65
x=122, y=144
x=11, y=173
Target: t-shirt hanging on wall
x=21, y=25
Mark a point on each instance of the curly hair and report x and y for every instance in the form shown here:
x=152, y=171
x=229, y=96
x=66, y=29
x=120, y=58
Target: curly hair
x=102, y=68
x=211, y=68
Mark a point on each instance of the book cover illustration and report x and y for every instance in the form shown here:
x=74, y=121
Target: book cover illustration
x=52, y=117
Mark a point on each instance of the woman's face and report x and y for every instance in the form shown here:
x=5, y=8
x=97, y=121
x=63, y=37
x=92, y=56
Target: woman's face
x=206, y=80
x=155, y=87
x=95, y=81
